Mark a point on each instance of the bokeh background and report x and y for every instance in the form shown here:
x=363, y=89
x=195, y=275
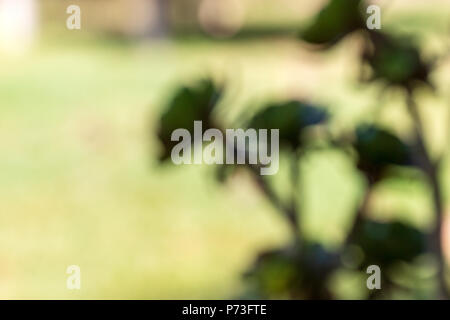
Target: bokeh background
x=79, y=178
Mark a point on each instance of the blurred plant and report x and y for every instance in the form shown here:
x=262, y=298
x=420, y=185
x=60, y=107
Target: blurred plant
x=334, y=22
x=397, y=62
x=187, y=105
x=302, y=269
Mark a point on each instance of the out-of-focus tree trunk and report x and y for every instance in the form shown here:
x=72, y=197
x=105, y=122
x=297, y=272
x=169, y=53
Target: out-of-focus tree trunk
x=162, y=24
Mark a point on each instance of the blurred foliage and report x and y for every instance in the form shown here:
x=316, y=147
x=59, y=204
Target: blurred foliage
x=378, y=151
x=386, y=243
x=396, y=61
x=292, y=272
x=302, y=269
x=188, y=105
x=291, y=118
x=335, y=21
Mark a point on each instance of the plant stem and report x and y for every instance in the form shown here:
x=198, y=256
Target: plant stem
x=431, y=171
x=289, y=212
x=295, y=190
x=359, y=216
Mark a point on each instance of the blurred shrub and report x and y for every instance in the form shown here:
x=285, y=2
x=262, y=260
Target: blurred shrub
x=302, y=269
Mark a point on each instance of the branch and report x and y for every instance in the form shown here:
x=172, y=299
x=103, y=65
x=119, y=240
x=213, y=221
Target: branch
x=430, y=169
x=359, y=217
x=289, y=212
